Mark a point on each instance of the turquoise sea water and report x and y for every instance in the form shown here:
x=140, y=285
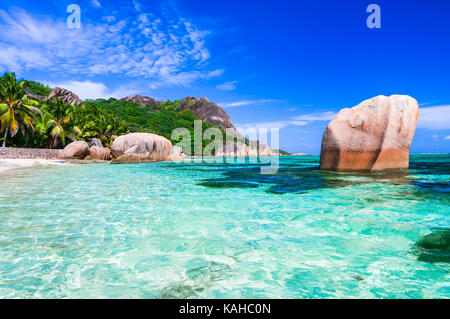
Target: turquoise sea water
x=196, y=230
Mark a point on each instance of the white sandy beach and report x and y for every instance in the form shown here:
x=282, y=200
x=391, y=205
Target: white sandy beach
x=11, y=164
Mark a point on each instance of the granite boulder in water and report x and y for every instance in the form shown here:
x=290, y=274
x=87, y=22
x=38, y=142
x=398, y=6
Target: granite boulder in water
x=374, y=135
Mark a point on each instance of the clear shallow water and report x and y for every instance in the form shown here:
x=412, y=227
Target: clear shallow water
x=168, y=230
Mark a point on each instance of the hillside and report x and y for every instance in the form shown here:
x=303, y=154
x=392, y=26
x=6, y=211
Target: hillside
x=161, y=118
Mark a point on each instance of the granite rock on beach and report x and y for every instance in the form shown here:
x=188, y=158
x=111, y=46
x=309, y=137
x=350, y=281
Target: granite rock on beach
x=95, y=142
x=374, y=135
x=177, y=154
x=75, y=150
x=100, y=153
x=141, y=146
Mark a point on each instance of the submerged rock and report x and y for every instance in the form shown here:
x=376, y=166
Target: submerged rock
x=434, y=247
x=140, y=147
x=100, y=153
x=67, y=96
x=75, y=150
x=436, y=240
x=371, y=136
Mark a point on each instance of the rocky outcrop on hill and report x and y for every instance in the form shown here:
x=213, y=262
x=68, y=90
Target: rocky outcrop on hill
x=141, y=146
x=371, y=136
x=142, y=100
x=67, y=96
x=75, y=150
x=210, y=112
x=33, y=96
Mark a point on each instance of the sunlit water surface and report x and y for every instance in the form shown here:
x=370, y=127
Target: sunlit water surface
x=198, y=230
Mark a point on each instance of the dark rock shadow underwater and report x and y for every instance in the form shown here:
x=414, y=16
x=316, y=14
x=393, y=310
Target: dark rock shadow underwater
x=434, y=247
x=302, y=175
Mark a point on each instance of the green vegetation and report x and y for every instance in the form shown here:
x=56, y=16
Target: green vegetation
x=53, y=124
x=50, y=124
x=17, y=112
x=158, y=119
x=37, y=88
x=281, y=152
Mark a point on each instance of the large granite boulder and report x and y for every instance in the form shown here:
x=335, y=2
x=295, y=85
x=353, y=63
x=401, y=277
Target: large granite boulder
x=210, y=112
x=371, y=136
x=177, y=154
x=100, y=153
x=75, y=150
x=141, y=146
x=95, y=142
x=142, y=100
x=67, y=96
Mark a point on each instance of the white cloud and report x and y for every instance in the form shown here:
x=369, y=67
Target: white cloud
x=169, y=51
x=447, y=137
x=434, y=117
x=92, y=90
x=269, y=125
x=245, y=102
x=109, y=19
x=227, y=86
x=299, y=120
x=319, y=116
x=137, y=5
x=96, y=3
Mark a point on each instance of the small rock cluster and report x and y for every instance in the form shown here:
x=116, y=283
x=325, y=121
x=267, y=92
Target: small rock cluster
x=130, y=148
x=239, y=149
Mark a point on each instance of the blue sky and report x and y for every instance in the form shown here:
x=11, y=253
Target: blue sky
x=286, y=64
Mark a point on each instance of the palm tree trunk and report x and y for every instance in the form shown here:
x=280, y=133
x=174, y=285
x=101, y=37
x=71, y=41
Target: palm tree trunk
x=4, y=139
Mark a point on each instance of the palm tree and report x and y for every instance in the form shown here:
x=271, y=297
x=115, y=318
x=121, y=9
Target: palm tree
x=62, y=114
x=16, y=110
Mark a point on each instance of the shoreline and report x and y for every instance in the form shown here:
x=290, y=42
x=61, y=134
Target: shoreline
x=8, y=164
